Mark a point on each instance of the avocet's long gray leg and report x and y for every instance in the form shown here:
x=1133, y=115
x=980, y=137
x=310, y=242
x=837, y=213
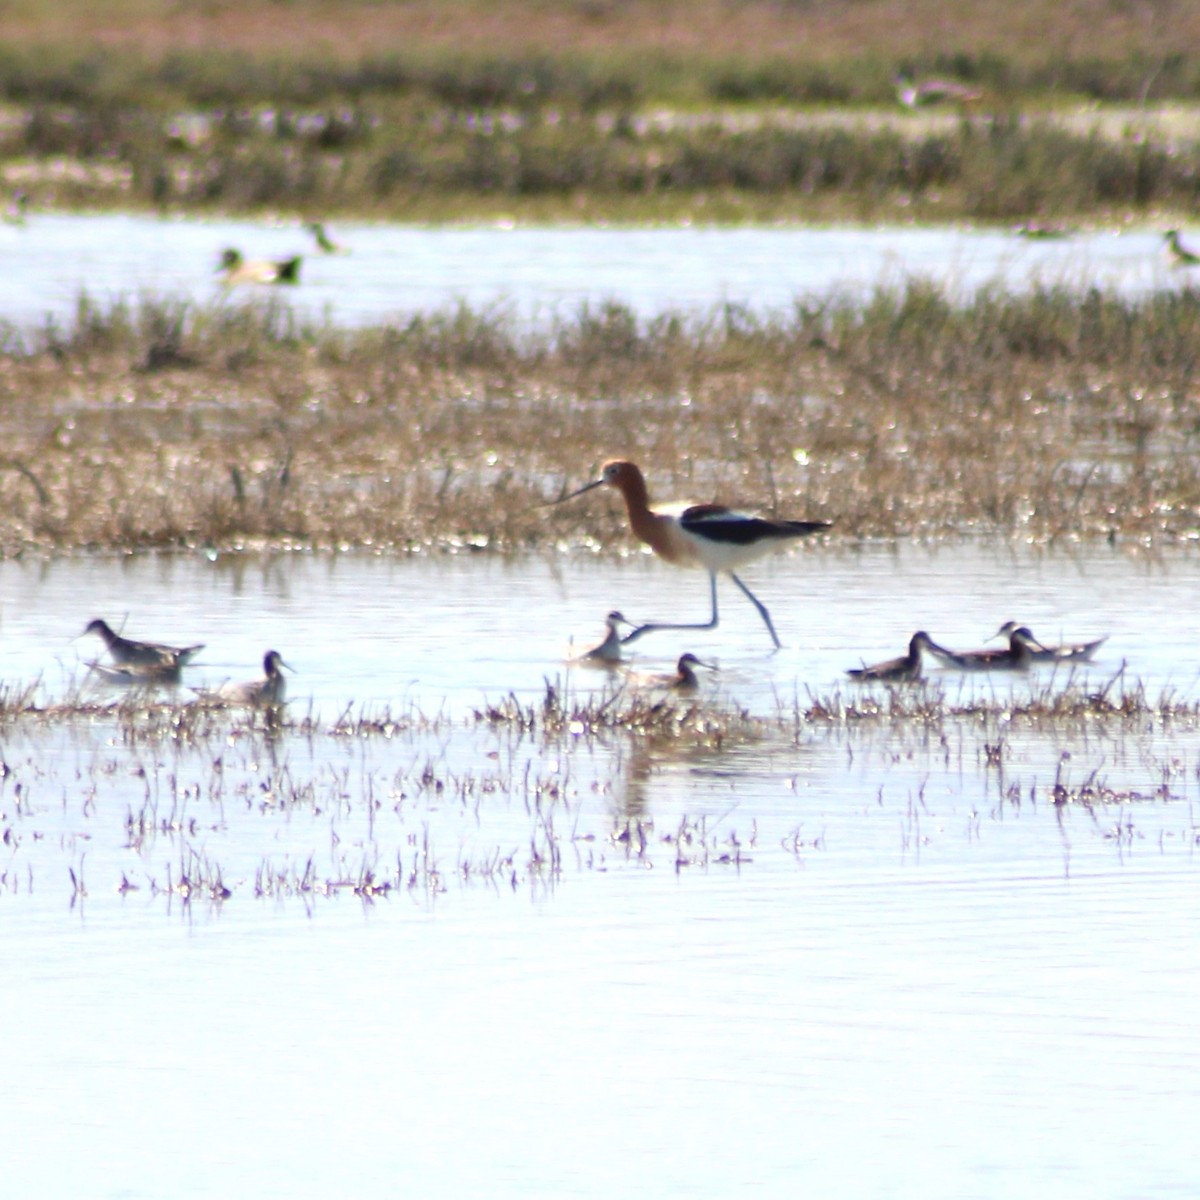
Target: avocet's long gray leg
x=654, y=626
x=762, y=608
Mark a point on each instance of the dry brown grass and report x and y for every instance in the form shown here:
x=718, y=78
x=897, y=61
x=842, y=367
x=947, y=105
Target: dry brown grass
x=1041, y=418
x=1024, y=29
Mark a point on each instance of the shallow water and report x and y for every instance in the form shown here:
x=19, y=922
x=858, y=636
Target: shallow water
x=858, y=958
x=394, y=270
x=449, y=632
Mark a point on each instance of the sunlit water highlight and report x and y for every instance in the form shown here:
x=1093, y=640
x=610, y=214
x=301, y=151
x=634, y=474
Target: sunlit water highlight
x=394, y=270
x=879, y=967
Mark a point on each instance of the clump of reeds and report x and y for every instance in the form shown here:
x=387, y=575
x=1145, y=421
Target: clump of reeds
x=1055, y=701
x=181, y=795
x=1095, y=792
x=644, y=713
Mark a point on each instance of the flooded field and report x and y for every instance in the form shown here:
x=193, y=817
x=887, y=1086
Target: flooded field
x=472, y=916
x=466, y=915
x=432, y=927
x=394, y=270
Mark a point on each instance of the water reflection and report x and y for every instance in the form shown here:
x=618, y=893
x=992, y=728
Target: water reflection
x=635, y=773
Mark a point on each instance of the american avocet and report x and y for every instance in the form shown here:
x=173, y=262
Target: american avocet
x=325, y=243
x=1016, y=656
x=904, y=669
x=934, y=91
x=698, y=535
x=271, y=689
x=125, y=652
x=235, y=269
x=609, y=650
x=1067, y=652
x=1181, y=255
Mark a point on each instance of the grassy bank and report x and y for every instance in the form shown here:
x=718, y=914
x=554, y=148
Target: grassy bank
x=441, y=164
x=629, y=110
x=1042, y=417
x=476, y=52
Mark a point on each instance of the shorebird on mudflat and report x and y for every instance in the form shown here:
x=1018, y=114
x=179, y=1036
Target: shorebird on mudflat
x=904, y=669
x=125, y=652
x=934, y=91
x=325, y=243
x=1181, y=255
x=1016, y=656
x=698, y=535
x=1067, y=652
x=235, y=269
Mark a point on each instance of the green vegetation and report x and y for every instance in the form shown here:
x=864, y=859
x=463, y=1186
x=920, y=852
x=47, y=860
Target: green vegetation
x=435, y=164
x=529, y=80
x=164, y=425
x=621, y=110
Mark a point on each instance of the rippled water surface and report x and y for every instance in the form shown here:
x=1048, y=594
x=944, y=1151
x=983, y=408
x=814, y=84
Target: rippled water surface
x=861, y=958
x=393, y=270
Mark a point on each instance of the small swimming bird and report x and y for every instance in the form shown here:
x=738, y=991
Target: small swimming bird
x=143, y=676
x=904, y=669
x=698, y=535
x=1043, y=231
x=682, y=679
x=235, y=269
x=325, y=243
x=1016, y=656
x=934, y=91
x=609, y=650
x=125, y=652
x=1068, y=652
x=1181, y=255
x=685, y=674
x=271, y=689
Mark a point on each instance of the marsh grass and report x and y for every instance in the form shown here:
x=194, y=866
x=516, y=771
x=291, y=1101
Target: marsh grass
x=1061, y=702
x=1049, y=417
x=244, y=811
x=586, y=110
x=473, y=54
x=562, y=716
x=549, y=164
x=561, y=712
